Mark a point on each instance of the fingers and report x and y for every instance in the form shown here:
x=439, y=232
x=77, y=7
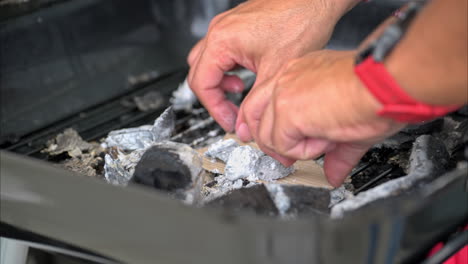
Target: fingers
x=232, y=84
x=208, y=82
x=251, y=111
x=195, y=52
x=340, y=161
x=276, y=133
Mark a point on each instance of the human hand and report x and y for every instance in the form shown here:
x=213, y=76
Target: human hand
x=320, y=106
x=259, y=35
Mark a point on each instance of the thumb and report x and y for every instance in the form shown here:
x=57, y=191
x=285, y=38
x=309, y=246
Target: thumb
x=341, y=160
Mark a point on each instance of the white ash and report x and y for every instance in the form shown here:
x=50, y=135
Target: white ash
x=183, y=98
x=222, y=149
x=143, y=136
x=70, y=142
x=281, y=200
x=119, y=167
x=245, y=162
x=131, y=138
x=242, y=163
x=268, y=169
x=339, y=194
x=164, y=125
x=224, y=185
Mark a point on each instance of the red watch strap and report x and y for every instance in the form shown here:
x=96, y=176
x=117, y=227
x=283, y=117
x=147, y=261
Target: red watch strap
x=397, y=104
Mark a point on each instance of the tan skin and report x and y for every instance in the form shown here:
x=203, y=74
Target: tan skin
x=315, y=104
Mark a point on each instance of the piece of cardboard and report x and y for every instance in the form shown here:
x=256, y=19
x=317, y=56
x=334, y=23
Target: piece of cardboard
x=306, y=173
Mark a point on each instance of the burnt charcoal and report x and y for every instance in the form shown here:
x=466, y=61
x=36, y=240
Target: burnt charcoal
x=429, y=158
x=396, y=141
x=453, y=134
x=211, y=183
x=144, y=136
x=170, y=167
x=255, y=199
x=119, y=167
x=424, y=127
x=164, y=125
x=307, y=200
x=222, y=149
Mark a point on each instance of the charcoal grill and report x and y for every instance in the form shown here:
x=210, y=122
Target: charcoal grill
x=138, y=225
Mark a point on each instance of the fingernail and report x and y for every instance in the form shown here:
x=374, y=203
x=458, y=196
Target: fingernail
x=243, y=132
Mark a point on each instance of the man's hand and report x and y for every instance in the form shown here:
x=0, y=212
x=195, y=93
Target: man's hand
x=259, y=35
x=320, y=106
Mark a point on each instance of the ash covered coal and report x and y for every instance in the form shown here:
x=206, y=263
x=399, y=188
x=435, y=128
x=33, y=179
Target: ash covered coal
x=171, y=167
x=222, y=149
x=246, y=162
x=242, y=163
x=120, y=166
x=428, y=159
x=143, y=136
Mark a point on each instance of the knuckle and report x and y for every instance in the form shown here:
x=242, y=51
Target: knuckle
x=215, y=20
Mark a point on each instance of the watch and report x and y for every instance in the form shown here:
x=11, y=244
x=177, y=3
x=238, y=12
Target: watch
x=396, y=103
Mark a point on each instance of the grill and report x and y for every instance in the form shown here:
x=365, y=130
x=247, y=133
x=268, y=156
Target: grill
x=390, y=229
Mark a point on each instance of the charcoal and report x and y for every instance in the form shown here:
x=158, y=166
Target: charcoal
x=144, y=136
x=305, y=200
x=222, y=186
x=395, y=141
x=424, y=127
x=268, y=169
x=453, y=133
x=164, y=125
x=254, y=199
x=338, y=195
x=174, y=168
x=428, y=159
x=131, y=138
x=245, y=162
x=222, y=149
x=242, y=163
x=119, y=167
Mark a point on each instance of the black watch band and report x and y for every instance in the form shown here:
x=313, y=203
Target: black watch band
x=385, y=43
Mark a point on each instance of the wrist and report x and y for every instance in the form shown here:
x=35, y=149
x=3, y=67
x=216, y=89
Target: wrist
x=404, y=64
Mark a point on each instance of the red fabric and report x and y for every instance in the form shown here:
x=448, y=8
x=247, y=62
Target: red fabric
x=461, y=257
x=397, y=104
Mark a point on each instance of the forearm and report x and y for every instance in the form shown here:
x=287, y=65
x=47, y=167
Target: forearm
x=430, y=62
